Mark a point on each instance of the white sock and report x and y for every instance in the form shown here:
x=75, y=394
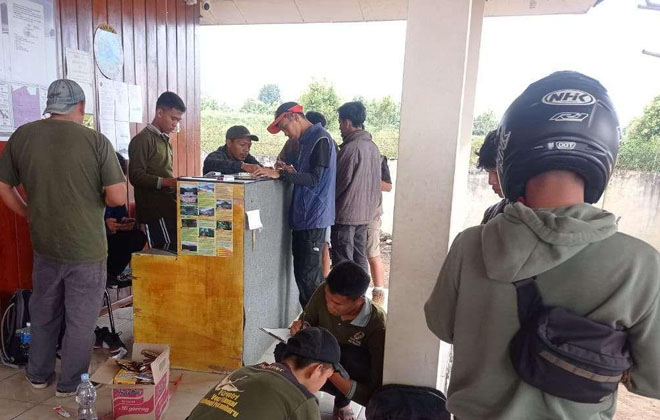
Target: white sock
x=379, y=288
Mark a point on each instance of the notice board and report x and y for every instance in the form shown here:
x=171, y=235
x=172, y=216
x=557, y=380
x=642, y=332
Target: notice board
x=28, y=61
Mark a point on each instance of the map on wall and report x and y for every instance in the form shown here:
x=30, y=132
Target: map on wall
x=109, y=53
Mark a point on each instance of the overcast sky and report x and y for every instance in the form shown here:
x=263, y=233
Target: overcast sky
x=367, y=58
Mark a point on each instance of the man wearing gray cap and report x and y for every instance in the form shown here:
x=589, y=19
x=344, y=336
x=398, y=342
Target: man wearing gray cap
x=70, y=173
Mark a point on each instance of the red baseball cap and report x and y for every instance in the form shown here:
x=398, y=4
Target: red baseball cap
x=281, y=112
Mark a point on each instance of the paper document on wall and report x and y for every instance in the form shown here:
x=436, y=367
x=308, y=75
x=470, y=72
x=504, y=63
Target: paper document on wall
x=106, y=98
x=26, y=104
x=27, y=42
x=6, y=121
x=123, y=133
x=121, y=101
x=79, y=66
x=90, y=103
x=282, y=334
x=135, y=103
x=107, y=128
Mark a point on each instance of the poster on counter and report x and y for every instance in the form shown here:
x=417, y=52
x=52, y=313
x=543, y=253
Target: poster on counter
x=207, y=218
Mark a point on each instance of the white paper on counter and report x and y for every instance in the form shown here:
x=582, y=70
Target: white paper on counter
x=254, y=219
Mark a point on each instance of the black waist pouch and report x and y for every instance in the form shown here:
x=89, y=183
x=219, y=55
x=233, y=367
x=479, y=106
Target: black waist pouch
x=565, y=354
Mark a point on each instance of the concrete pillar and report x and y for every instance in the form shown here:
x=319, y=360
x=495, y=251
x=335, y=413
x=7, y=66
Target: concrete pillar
x=439, y=80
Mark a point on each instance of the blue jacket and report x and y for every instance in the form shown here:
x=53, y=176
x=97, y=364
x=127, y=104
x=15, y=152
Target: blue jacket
x=314, y=207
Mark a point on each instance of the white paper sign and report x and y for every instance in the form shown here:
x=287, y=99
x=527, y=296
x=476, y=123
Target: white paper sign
x=90, y=104
x=26, y=42
x=106, y=100
x=79, y=66
x=123, y=133
x=135, y=103
x=254, y=219
x=121, y=101
x=6, y=121
x=107, y=127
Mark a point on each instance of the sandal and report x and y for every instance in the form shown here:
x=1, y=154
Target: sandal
x=343, y=413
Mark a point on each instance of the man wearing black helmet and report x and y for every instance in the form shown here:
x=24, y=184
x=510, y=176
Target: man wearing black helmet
x=557, y=147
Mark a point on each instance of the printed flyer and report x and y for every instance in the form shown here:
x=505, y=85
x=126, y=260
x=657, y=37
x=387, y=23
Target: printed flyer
x=206, y=226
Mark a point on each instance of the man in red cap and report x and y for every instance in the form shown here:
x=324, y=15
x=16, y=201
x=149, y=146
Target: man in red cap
x=312, y=209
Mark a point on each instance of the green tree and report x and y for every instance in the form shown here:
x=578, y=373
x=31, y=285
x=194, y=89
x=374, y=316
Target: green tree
x=255, y=106
x=322, y=97
x=269, y=94
x=640, y=148
x=484, y=123
x=382, y=113
x=647, y=126
x=208, y=103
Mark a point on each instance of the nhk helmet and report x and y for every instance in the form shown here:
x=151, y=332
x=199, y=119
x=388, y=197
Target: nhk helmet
x=565, y=121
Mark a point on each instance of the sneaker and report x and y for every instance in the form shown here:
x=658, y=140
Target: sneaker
x=125, y=280
x=64, y=394
x=67, y=394
x=37, y=384
x=112, y=282
x=114, y=343
x=100, y=334
x=378, y=297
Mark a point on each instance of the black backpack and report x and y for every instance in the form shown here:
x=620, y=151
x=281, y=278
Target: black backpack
x=15, y=317
x=407, y=402
x=565, y=354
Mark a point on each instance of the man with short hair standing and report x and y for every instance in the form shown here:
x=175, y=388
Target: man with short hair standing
x=150, y=171
x=313, y=206
x=234, y=156
x=358, y=186
x=70, y=173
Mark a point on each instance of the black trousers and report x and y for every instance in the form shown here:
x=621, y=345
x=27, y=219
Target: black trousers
x=349, y=242
x=120, y=247
x=307, y=248
x=357, y=362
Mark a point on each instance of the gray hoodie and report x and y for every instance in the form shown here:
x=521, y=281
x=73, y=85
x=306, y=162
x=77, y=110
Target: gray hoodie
x=582, y=264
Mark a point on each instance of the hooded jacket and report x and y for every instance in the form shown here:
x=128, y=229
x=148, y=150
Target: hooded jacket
x=583, y=264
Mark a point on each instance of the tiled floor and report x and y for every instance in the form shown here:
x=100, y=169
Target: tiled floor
x=19, y=401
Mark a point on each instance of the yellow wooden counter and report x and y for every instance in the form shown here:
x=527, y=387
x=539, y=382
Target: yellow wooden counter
x=209, y=308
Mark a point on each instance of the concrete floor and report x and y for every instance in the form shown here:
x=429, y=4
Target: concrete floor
x=19, y=401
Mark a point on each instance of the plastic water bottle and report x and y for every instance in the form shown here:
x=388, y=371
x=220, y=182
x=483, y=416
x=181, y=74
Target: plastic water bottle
x=26, y=339
x=86, y=399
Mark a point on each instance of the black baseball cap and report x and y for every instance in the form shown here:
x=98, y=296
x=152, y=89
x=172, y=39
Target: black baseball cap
x=318, y=344
x=240, y=132
x=282, y=111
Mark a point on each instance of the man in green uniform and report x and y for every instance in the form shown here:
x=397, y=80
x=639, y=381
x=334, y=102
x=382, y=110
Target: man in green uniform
x=150, y=171
x=234, y=156
x=70, y=173
x=340, y=305
x=278, y=391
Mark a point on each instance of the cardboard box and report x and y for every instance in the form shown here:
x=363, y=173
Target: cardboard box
x=139, y=402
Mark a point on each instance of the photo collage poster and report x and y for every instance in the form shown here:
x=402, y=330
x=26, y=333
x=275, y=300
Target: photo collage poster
x=207, y=219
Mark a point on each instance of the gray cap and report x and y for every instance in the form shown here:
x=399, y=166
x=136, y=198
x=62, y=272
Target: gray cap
x=63, y=95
